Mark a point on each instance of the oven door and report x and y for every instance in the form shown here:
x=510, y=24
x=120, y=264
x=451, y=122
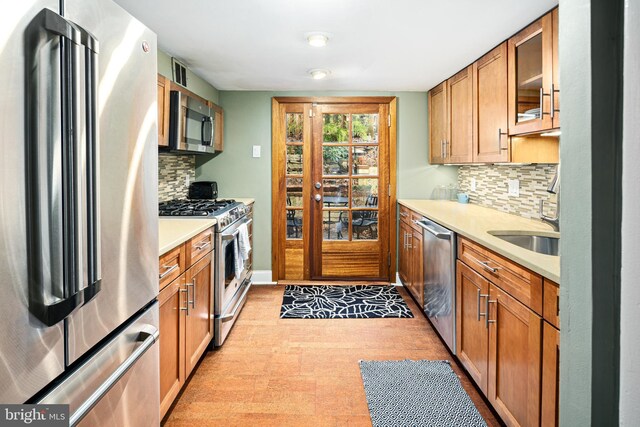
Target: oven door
x=227, y=284
x=192, y=125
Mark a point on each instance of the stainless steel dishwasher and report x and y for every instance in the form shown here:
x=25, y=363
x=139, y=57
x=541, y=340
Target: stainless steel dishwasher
x=439, y=253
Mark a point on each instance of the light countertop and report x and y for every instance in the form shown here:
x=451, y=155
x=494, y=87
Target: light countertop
x=475, y=221
x=245, y=200
x=176, y=231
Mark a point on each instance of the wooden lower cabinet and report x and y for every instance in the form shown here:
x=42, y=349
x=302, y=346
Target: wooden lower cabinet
x=514, y=359
x=416, y=277
x=186, y=326
x=550, y=375
x=199, y=325
x=172, y=323
x=472, y=338
x=404, y=253
x=507, y=348
x=410, y=260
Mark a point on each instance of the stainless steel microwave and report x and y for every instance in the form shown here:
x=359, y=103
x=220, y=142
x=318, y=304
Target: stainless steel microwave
x=192, y=125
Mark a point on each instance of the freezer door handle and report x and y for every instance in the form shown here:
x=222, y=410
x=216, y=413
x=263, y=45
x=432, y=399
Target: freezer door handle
x=148, y=338
x=54, y=243
x=438, y=234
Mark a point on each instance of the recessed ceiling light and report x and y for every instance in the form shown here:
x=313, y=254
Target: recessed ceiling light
x=317, y=39
x=318, y=74
x=552, y=133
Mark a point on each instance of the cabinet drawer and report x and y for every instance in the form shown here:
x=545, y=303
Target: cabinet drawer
x=551, y=307
x=172, y=264
x=200, y=245
x=405, y=214
x=522, y=284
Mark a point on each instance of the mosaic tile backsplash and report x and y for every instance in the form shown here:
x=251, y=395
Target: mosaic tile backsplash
x=492, y=188
x=172, y=176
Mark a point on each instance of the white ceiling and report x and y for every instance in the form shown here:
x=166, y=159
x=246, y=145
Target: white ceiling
x=379, y=45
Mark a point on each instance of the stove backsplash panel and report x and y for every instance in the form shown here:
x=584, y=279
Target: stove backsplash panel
x=492, y=188
x=174, y=175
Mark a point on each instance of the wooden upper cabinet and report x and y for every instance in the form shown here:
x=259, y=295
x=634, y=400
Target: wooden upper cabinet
x=218, y=139
x=490, y=123
x=438, y=123
x=458, y=144
x=164, y=89
x=556, y=69
x=515, y=348
x=530, y=57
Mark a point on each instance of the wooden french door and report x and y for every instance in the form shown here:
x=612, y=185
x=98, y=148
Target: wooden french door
x=333, y=189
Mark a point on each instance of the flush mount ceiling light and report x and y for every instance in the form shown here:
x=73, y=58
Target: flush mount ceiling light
x=317, y=39
x=318, y=74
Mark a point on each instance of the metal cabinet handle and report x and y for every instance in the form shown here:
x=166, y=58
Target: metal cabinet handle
x=191, y=301
x=481, y=295
x=186, y=307
x=488, y=267
x=500, y=133
x=486, y=318
x=200, y=246
x=148, y=338
x=542, y=95
x=553, y=101
x=168, y=270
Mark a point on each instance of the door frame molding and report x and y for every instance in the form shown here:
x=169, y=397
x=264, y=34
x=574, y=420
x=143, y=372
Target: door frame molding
x=276, y=102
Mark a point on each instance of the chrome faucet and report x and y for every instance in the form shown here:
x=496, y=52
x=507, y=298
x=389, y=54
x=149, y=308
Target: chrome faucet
x=554, y=188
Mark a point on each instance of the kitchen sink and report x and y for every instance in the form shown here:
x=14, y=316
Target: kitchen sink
x=542, y=243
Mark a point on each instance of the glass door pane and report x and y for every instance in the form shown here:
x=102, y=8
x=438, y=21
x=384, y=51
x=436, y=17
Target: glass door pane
x=350, y=159
x=529, y=78
x=294, y=169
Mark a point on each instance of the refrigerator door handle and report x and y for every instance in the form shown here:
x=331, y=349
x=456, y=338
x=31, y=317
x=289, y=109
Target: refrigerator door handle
x=148, y=338
x=54, y=246
x=94, y=273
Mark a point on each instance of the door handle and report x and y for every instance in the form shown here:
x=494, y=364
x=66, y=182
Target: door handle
x=186, y=306
x=52, y=188
x=229, y=316
x=317, y=197
x=552, y=101
x=192, y=301
x=486, y=318
x=438, y=234
x=94, y=273
x=168, y=270
x=318, y=185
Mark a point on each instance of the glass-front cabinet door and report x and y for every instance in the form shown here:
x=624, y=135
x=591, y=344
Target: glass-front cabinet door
x=531, y=89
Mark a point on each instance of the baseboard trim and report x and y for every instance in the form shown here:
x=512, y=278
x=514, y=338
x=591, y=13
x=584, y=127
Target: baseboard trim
x=262, y=277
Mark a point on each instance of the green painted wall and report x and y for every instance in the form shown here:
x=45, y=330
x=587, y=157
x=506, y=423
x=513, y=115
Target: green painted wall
x=195, y=83
x=576, y=218
x=247, y=122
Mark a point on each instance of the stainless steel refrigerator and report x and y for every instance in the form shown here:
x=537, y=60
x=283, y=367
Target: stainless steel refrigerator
x=78, y=211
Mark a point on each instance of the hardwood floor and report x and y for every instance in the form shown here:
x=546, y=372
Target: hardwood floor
x=299, y=372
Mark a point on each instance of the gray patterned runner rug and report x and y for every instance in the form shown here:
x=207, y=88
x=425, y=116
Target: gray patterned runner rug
x=342, y=302
x=417, y=393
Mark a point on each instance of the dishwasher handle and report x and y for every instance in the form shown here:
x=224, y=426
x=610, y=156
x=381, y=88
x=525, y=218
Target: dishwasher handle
x=445, y=235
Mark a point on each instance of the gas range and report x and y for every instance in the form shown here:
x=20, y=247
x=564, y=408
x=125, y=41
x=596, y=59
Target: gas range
x=225, y=211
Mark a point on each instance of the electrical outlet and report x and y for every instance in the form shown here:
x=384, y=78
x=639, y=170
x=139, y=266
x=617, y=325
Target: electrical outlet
x=473, y=184
x=514, y=187
x=256, y=151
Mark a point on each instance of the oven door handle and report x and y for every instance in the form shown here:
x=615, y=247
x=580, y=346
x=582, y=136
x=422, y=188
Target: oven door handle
x=235, y=233
x=229, y=316
x=230, y=236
